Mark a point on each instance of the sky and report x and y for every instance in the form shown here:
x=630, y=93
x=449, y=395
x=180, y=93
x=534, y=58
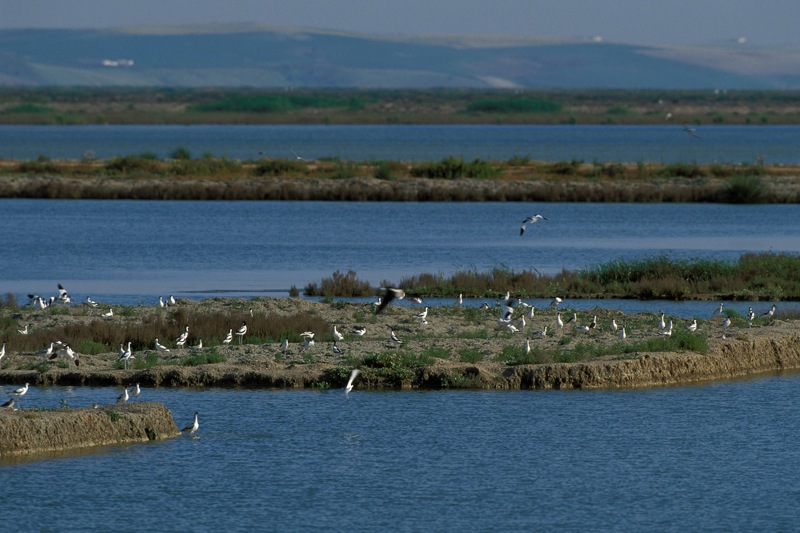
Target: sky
x=652, y=22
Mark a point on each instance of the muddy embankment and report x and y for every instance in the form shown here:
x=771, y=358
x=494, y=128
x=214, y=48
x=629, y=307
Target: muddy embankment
x=773, y=189
x=28, y=432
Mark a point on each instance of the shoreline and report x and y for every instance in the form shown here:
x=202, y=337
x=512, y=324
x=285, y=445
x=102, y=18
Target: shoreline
x=456, y=349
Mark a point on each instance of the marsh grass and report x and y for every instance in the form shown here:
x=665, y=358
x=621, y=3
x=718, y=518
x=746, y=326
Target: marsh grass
x=752, y=276
x=340, y=284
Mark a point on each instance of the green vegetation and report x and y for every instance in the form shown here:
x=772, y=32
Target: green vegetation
x=86, y=105
x=340, y=285
x=452, y=168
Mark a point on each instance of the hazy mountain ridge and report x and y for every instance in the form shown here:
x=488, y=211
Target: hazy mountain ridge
x=252, y=56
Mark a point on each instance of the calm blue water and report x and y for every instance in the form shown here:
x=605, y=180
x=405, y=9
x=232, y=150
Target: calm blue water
x=717, y=457
x=130, y=252
x=656, y=144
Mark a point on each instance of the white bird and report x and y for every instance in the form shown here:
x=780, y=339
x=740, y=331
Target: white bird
x=109, y=314
x=614, y=326
x=521, y=322
x=460, y=300
x=527, y=346
x=194, y=426
x=136, y=390
x=3, y=352
x=65, y=350
x=229, y=337
x=667, y=331
x=725, y=323
x=584, y=329
x=541, y=332
x=284, y=345
x=199, y=345
x=23, y=331
x=126, y=354
x=533, y=219
x=359, y=331
x=309, y=342
x=183, y=337
x=122, y=398
x=751, y=315
x=389, y=295
x=337, y=335
x=160, y=347
x=661, y=323
x=416, y=300
x=556, y=302
x=573, y=320
x=559, y=322
x=350, y=381
x=512, y=328
x=336, y=350
x=423, y=315
x=532, y=312
x=242, y=331
x=63, y=296
x=771, y=312
x=593, y=323
x=693, y=326
x=394, y=338
x=622, y=334
x=19, y=392
x=172, y=300
x=719, y=310
x=161, y=302
x=91, y=302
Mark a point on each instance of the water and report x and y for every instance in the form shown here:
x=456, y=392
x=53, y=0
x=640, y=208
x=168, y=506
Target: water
x=647, y=144
x=132, y=252
x=716, y=457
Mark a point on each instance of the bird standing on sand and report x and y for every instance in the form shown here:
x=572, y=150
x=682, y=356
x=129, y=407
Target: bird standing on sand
x=160, y=347
x=693, y=326
x=394, y=338
x=359, y=331
x=337, y=336
x=3, y=352
x=533, y=219
x=194, y=426
x=23, y=331
x=241, y=331
x=229, y=337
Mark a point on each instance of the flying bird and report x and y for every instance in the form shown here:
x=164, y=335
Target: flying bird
x=389, y=295
x=353, y=375
x=533, y=219
x=691, y=131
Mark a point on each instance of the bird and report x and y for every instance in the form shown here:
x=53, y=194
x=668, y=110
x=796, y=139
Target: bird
x=126, y=355
x=725, y=323
x=136, y=390
x=229, y=337
x=532, y=312
x=285, y=345
x=390, y=294
x=336, y=350
x=65, y=350
x=3, y=352
x=181, y=340
x=161, y=302
x=241, y=331
x=584, y=329
x=172, y=300
x=23, y=331
x=691, y=131
x=614, y=326
x=527, y=346
x=771, y=312
x=160, y=347
x=337, y=335
x=416, y=300
x=122, y=398
x=91, y=302
x=63, y=296
x=359, y=331
x=667, y=331
x=622, y=335
x=512, y=328
x=541, y=332
x=394, y=338
x=8, y=405
x=423, y=315
x=718, y=311
x=460, y=300
x=560, y=322
x=20, y=391
x=191, y=429
x=593, y=323
x=661, y=323
x=533, y=219
x=109, y=314
x=751, y=315
x=693, y=326
x=573, y=320
x=353, y=375
x=309, y=339
x=199, y=345
x=556, y=301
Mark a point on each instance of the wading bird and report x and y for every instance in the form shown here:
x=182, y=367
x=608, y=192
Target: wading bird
x=191, y=429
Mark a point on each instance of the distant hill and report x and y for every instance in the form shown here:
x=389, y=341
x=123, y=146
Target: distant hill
x=252, y=56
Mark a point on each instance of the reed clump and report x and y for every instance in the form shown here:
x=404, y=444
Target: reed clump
x=340, y=284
